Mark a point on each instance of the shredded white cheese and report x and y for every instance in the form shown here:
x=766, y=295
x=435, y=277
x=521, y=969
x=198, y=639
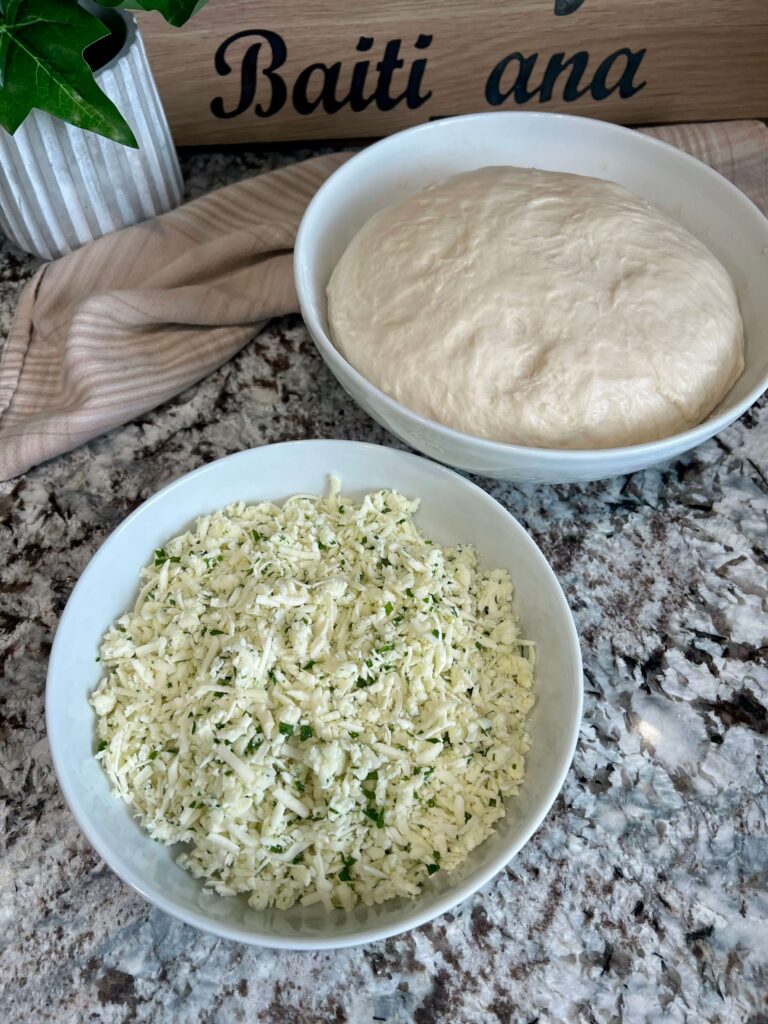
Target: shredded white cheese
x=321, y=703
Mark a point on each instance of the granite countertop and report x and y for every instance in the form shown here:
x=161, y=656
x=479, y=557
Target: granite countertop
x=643, y=896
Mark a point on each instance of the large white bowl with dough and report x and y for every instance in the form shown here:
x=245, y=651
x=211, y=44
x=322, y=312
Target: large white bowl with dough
x=452, y=510
x=701, y=199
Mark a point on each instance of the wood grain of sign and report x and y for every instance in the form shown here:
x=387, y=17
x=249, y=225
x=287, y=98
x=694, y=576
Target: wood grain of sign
x=266, y=71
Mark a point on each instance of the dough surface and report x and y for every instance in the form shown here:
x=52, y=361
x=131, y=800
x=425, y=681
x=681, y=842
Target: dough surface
x=538, y=308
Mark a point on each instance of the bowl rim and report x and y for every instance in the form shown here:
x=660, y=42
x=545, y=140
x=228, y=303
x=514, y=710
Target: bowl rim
x=684, y=440
x=121, y=864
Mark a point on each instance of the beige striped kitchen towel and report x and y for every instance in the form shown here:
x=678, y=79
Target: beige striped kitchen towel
x=126, y=322
x=123, y=324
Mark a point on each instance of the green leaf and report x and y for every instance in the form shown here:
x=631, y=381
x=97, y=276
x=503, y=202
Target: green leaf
x=41, y=54
x=175, y=12
x=9, y=15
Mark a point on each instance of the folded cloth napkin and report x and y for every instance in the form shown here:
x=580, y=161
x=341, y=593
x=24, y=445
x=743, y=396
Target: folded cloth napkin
x=130, y=320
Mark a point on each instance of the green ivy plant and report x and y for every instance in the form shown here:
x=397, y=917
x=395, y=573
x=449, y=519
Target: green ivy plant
x=42, y=62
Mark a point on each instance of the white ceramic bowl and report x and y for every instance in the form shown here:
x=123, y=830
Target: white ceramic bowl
x=452, y=510
x=706, y=203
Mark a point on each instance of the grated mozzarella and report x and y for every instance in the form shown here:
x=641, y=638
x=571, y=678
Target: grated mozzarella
x=322, y=704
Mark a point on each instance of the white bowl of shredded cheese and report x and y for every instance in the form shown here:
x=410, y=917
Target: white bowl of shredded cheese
x=314, y=694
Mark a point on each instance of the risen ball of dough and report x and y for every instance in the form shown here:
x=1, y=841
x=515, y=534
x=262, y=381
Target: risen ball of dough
x=538, y=308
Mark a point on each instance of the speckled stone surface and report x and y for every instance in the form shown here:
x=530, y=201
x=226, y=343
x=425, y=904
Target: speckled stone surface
x=644, y=895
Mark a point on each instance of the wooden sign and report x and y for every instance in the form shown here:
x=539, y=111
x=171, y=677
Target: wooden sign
x=332, y=69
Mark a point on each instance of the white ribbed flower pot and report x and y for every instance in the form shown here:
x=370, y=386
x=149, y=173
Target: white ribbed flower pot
x=61, y=186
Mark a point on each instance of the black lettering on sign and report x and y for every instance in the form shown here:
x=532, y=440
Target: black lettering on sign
x=357, y=99
x=387, y=66
x=516, y=77
x=318, y=84
x=413, y=98
x=390, y=63
x=625, y=83
x=555, y=68
x=521, y=67
x=511, y=78
x=249, y=73
x=328, y=79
